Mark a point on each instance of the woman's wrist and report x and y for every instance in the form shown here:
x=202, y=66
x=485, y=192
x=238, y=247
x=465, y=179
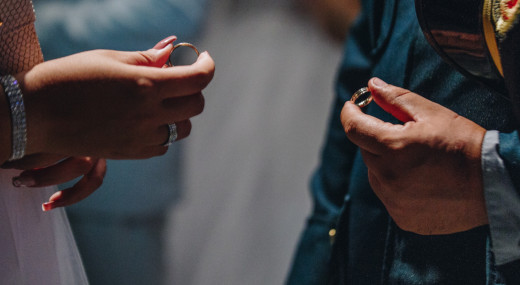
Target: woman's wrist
x=20, y=125
x=35, y=109
x=17, y=114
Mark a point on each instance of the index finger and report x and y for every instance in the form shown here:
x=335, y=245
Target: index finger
x=368, y=132
x=185, y=80
x=82, y=189
x=58, y=173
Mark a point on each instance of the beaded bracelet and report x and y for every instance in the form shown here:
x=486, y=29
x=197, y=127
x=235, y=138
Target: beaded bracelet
x=18, y=122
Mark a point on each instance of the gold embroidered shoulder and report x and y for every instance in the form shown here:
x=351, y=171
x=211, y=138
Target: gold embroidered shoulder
x=19, y=46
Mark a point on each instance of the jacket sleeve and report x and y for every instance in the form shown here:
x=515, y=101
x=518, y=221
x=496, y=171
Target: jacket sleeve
x=329, y=185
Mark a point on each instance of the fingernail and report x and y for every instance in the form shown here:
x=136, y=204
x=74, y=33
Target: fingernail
x=47, y=206
x=26, y=181
x=165, y=42
x=378, y=82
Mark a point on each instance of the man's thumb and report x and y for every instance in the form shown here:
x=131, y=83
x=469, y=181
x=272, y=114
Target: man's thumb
x=399, y=102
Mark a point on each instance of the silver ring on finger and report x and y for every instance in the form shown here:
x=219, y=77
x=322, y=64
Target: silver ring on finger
x=172, y=134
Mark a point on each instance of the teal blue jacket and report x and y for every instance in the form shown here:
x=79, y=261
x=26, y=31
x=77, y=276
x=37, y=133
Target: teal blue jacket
x=368, y=248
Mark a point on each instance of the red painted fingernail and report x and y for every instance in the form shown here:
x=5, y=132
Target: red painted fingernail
x=48, y=206
x=26, y=181
x=165, y=42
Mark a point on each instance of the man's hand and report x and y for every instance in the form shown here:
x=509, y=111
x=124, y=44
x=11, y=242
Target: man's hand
x=426, y=171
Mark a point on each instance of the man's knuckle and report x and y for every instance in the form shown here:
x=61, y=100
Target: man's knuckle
x=391, y=144
x=401, y=96
x=350, y=127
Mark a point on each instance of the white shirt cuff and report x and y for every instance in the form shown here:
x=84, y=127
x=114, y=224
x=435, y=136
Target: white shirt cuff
x=502, y=202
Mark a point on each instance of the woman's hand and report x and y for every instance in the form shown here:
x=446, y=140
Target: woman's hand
x=58, y=170
x=111, y=104
x=427, y=171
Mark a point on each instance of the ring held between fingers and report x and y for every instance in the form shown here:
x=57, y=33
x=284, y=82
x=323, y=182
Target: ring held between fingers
x=184, y=80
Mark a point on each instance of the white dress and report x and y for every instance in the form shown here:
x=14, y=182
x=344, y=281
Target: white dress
x=36, y=247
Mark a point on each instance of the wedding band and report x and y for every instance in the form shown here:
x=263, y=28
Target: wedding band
x=362, y=92
x=172, y=134
x=170, y=64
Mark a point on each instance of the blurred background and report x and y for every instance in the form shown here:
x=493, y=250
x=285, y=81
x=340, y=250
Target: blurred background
x=227, y=204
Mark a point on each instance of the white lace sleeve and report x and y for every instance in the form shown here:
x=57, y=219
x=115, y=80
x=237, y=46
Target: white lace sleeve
x=36, y=247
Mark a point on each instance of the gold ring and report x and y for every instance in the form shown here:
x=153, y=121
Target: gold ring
x=362, y=92
x=181, y=45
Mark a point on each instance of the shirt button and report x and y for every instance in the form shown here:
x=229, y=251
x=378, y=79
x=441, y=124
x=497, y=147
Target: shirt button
x=332, y=236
